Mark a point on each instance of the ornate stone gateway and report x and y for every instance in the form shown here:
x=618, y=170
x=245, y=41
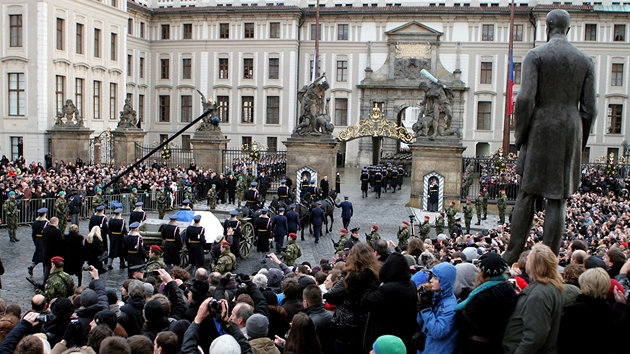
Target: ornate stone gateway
x=376, y=125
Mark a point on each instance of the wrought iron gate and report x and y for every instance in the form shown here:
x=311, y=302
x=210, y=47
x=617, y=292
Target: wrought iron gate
x=102, y=148
x=171, y=156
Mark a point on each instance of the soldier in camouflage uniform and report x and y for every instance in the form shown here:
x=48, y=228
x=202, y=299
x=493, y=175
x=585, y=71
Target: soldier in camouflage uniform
x=478, y=207
x=241, y=188
x=484, y=202
x=292, y=251
x=59, y=283
x=98, y=199
x=162, y=202
x=226, y=261
x=403, y=235
x=451, y=212
x=373, y=236
x=190, y=196
x=468, y=214
x=439, y=224
x=154, y=262
x=502, y=205
x=133, y=198
x=61, y=211
x=212, y=197
x=425, y=228
x=343, y=238
x=11, y=211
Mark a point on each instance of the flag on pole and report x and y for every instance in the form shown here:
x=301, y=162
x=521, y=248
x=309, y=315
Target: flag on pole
x=510, y=92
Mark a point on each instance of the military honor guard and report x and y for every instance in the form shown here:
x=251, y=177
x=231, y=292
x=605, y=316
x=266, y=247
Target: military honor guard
x=347, y=211
x=280, y=227
x=263, y=234
x=172, y=242
x=162, y=202
x=365, y=178
x=117, y=230
x=226, y=262
x=133, y=247
x=137, y=214
x=99, y=219
x=235, y=238
x=292, y=251
x=284, y=193
x=38, y=241
x=293, y=220
x=196, y=243
x=318, y=216
x=378, y=182
x=252, y=197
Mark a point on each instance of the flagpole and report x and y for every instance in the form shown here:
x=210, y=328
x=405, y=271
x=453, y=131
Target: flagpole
x=508, y=87
x=316, y=61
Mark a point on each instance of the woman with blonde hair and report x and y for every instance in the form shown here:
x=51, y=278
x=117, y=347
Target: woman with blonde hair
x=535, y=322
x=590, y=309
x=93, y=247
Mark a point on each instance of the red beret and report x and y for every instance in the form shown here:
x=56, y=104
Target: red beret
x=344, y=230
x=375, y=227
x=406, y=222
x=56, y=259
x=453, y=202
x=427, y=217
x=293, y=235
x=155, y=248
x=224, y=242
x=442, y=213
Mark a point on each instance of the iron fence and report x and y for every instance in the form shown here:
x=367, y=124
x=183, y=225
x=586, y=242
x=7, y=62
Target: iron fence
x=274, y=163
x=176, y=157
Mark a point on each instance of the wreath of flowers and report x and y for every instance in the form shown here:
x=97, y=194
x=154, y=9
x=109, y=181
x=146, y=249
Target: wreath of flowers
x=499, y=165
x=254, y=155
x=166, y=153
x=611, y=169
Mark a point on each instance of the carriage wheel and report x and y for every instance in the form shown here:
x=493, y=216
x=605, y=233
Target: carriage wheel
x=247, y=240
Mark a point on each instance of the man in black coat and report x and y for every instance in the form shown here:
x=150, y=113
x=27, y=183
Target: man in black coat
x=53, y=243
x=324, y=186
x=322, y=318
x=317, y=220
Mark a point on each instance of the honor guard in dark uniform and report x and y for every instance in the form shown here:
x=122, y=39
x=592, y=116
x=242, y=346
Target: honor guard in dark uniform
x=338, y=183
x=401, y=174
x=394, y=180
x=263, y=234
x=293, y=220
x=172, y=242
x=196, y=243
x=137, y=214
x=388, y=177
x=284, y=193
x=371, y=172
x=252, y=197
x=378, y=181
x=38, y=231
x=133, y=247
x=235, y=240
x=434, y=190
x=303, y=186
x=117, y=233
x=280, y=227
x=99, y=219
x=263, y=185
x=365, y=179
x=313, y=190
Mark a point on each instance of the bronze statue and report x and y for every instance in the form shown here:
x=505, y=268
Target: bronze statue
x=552, y=128
x=128, y=118
x=69, y=115
x=314, y=116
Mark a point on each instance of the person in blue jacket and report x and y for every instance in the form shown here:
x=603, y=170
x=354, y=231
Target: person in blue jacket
x=437, y=311
x=317, y=220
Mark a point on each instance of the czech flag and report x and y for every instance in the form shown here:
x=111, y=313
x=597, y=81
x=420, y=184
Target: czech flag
x=510, y=92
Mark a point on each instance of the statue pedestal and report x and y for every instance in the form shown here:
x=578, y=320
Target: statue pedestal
x=316, y=152
x=441, y=159
x=70, y=142
x=125, y=140
x=208, y=149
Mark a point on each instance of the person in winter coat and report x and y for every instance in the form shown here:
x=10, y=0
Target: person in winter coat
x=131, y=314
x=93, y=300
x=535, y=322
x=93, y=247
x=482, y=317
x=436, y=315
x=72, y=253
x=393, y=297
x=589, y=308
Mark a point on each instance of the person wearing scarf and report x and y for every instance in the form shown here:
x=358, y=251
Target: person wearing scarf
x=482, y=317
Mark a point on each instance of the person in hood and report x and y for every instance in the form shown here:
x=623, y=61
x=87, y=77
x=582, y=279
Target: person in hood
x=436, y=315
x=391, y=303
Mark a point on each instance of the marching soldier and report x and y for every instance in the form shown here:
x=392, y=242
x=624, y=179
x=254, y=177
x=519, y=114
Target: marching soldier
x=388, y=177
x=365, y=178
x=263, y=234
x=343, y=238
x=378, y=181
x=373, y=236
x=394, y=179
x=292, y=251
x=303, y=185
x=61, y=210
x=347, y=211
x=154, y=262
x=439, y=224
x=133, y=198
x=162, y=202
x=401, y=174
x=98, y=199
x=478, y=206
x=241, y=187
x=172, y=242
x=196, y=243
x=226, y=261
x=38, y=232
x=252, y=198
x=133, y=248
x=372, y=173
x=502, y=205
x=451, y=212
x=59, y=283
x=313, y=191
x=235, y=238
x=280, y=227
x=293, y=220
x=117, y=230
x=425, y=228
x=403, y=235
x=263, y=185
x=137, y=214
x=284, y=193
x=468, y=214
x=11, y=211
x=484, y=202
x=99, y=219
x=190, y=196
x=212, y=197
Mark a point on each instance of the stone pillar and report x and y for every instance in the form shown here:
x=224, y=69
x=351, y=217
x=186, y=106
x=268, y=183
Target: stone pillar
x=317, y=152
x=442, y=157
x=125, y=140
x=208, y=150
x=68, y=143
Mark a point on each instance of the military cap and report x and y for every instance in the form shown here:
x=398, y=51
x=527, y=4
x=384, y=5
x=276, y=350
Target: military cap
x=355, y=230
x=224, y=242
x=186, y=201
x=134, y=189
x=264, y=210
x=173, y=217
x=427, y=217
x=100, y=208
x=138, y=268
x=233, y=212
x=118, y=211
x=345, y=197
x=155, y=248
x=58, y=194
x=283, y=181
x=57, y=259
x=254, y=184
x=214, y=185
x=42, y=211
x=139, y=204
x=197, y=217
x=98, y=190
x=292, y=206
x=293, y=235
x=11, y=193
x=281, y=209
x=134, y=225
x=318, y=203
x=406, y=222
x=313, y=181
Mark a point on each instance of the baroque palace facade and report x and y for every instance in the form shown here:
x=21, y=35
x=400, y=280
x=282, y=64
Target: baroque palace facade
x=252, y=57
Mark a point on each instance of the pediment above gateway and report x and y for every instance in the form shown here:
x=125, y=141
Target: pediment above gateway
x=413, y=27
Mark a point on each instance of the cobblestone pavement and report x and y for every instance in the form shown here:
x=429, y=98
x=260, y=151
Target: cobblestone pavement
x=388, y=212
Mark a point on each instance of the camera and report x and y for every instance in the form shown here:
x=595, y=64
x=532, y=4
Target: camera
x=268, y=255
x=155, y=272
x=43, y=317
x=214, y=307
x=86, y=268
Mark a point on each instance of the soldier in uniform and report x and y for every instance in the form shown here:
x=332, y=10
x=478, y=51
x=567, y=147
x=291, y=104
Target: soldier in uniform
x=252, y=198
x=263, y=186
x=478, y=207
x=263, y=234
x=99, y=219
x=117, y=230
x=502, y=205
x=451, y=212
x=61, y=210
x=293, y=220
x=303, y=185
x=11, y=211
x=318, y=217
x=439, y=224
x=346, y=211
x=212, y=197
x=241, y=187
x=371, y=172
x=133, y=198
x=196, y=243
x=434, y=194
x=292, y=251
x=185, y=213
x=314, y=191
x=468, y=214
x=98, y=199
x=190, y=196
x=401, y=174
x=162, y=202
x=394, y=179
x=457, y=231
x=280, y=227
x=59, y=283
x=484, y=202
x=133, y=248
x=137, y=214
x=373, y=236
x=387, y=174
x=154, y=262
x=338, y=183
x=403, y=234
x=237, y=233
x=378, y=181
x=284, y=193
x=172, y=242
x=226, y=261
x=353, y=240
x=365, y=178
x=38, y=241
x=343, y=238
x=425, y=228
